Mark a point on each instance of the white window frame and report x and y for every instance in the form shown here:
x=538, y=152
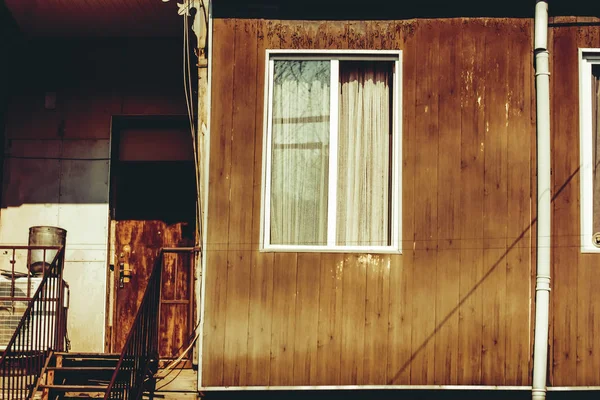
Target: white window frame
x=587, y=58
x=396, y=170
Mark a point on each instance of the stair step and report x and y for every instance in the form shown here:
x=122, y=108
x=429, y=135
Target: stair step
x=75, y=388
x=86, y=355
x=90, y=361
x=89, y=358
x=81, y=369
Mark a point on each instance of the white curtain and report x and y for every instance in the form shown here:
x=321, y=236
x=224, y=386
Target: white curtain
x=363, y=194
x=596, y=141
x=300, y=152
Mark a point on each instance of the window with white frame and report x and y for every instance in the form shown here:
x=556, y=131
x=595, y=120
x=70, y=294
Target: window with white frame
x=332, y=152
x=589, y=90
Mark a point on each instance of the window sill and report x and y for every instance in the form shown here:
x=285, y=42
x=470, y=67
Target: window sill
x=331, y=249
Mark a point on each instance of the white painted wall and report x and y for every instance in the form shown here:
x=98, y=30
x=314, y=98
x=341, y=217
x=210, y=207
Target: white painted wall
x=48, y=187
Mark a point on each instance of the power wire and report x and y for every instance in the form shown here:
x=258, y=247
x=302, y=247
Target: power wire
x=170, y=368
x=188, y=91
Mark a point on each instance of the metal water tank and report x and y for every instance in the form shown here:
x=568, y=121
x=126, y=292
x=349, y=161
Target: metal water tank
x=44, y=236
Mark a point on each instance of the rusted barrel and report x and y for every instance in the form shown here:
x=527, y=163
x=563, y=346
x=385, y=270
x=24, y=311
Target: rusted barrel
x=44, y=236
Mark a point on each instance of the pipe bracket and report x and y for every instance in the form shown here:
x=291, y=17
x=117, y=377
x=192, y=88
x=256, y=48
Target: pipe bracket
x=543, y=283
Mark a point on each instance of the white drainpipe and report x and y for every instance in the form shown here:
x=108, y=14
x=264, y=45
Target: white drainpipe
x=542, y=290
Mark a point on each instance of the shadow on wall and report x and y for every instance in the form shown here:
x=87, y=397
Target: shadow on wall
x=486, y=276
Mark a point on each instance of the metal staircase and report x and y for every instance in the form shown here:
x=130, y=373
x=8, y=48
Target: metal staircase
x=76, y=376
x=37, y=366
x=42, y=328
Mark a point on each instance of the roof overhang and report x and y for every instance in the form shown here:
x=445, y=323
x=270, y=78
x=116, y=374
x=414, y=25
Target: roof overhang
x=96, y=18
x=385, y=9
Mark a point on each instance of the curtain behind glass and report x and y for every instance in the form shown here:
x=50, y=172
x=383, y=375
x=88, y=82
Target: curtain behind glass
x=595, y=137
x=300, y=152
x=364, y=154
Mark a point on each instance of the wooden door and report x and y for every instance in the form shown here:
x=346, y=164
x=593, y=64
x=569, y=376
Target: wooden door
x=153, y=201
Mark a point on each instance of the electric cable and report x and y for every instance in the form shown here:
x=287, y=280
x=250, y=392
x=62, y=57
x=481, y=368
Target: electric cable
x=170, y=368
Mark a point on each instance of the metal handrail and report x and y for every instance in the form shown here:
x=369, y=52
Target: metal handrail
x=41, y=330
x=139, y=356
x=138, y=361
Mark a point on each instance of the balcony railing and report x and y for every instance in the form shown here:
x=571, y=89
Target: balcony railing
x=43, y=324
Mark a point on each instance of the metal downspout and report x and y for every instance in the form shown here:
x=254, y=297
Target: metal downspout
x=542, y=290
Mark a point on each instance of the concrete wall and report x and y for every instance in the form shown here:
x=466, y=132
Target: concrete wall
x=56, y=169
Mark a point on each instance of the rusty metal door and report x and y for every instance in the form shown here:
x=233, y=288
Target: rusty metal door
x=153, y=207
x=138, y=244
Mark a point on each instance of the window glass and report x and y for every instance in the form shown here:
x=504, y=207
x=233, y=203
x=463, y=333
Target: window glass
x=332, y=170
x=596, y=150
x=300, y=152
x=363, y=194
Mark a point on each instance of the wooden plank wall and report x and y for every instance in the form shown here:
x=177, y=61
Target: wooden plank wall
x=455, y=307
x=575, y=325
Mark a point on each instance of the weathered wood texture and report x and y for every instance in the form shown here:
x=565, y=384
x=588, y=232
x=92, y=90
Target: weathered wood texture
x=575, y=325
x=455, y=307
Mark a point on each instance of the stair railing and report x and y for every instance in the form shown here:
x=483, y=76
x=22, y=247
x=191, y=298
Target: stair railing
x=41, y=330
x=138, y=361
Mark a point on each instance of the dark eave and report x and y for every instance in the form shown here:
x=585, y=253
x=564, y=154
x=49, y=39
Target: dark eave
x=96, y=18
x=380, y=9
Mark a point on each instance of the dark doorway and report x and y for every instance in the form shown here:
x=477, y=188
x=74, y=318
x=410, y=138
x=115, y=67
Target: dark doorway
x=153, y=205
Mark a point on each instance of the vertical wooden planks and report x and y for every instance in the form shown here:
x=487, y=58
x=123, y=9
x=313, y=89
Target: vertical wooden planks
x=353, y=318
x=565, y=232
x=354, y=274
x=426, y=217
x=239, y=243
x=376, y=319
x=218, y=204
x=329, y=351
x=588, y=351
x=284, y=283
x=315, y=35
x=495, y=206
x=307, y=290
x=472, y=169
x=448, y=203
x=518, y=286
x=321, y=318
x=357, y=34
x=402, y=36
x=592, y=267
x=307, y=319
x=378, y=281
x=329, y=335
x=587, y=308
x=337, y=35
x=261, y=277
x=283, y=323
x=329, y=326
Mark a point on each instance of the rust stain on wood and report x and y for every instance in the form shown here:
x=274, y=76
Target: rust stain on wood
x=415, y=318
